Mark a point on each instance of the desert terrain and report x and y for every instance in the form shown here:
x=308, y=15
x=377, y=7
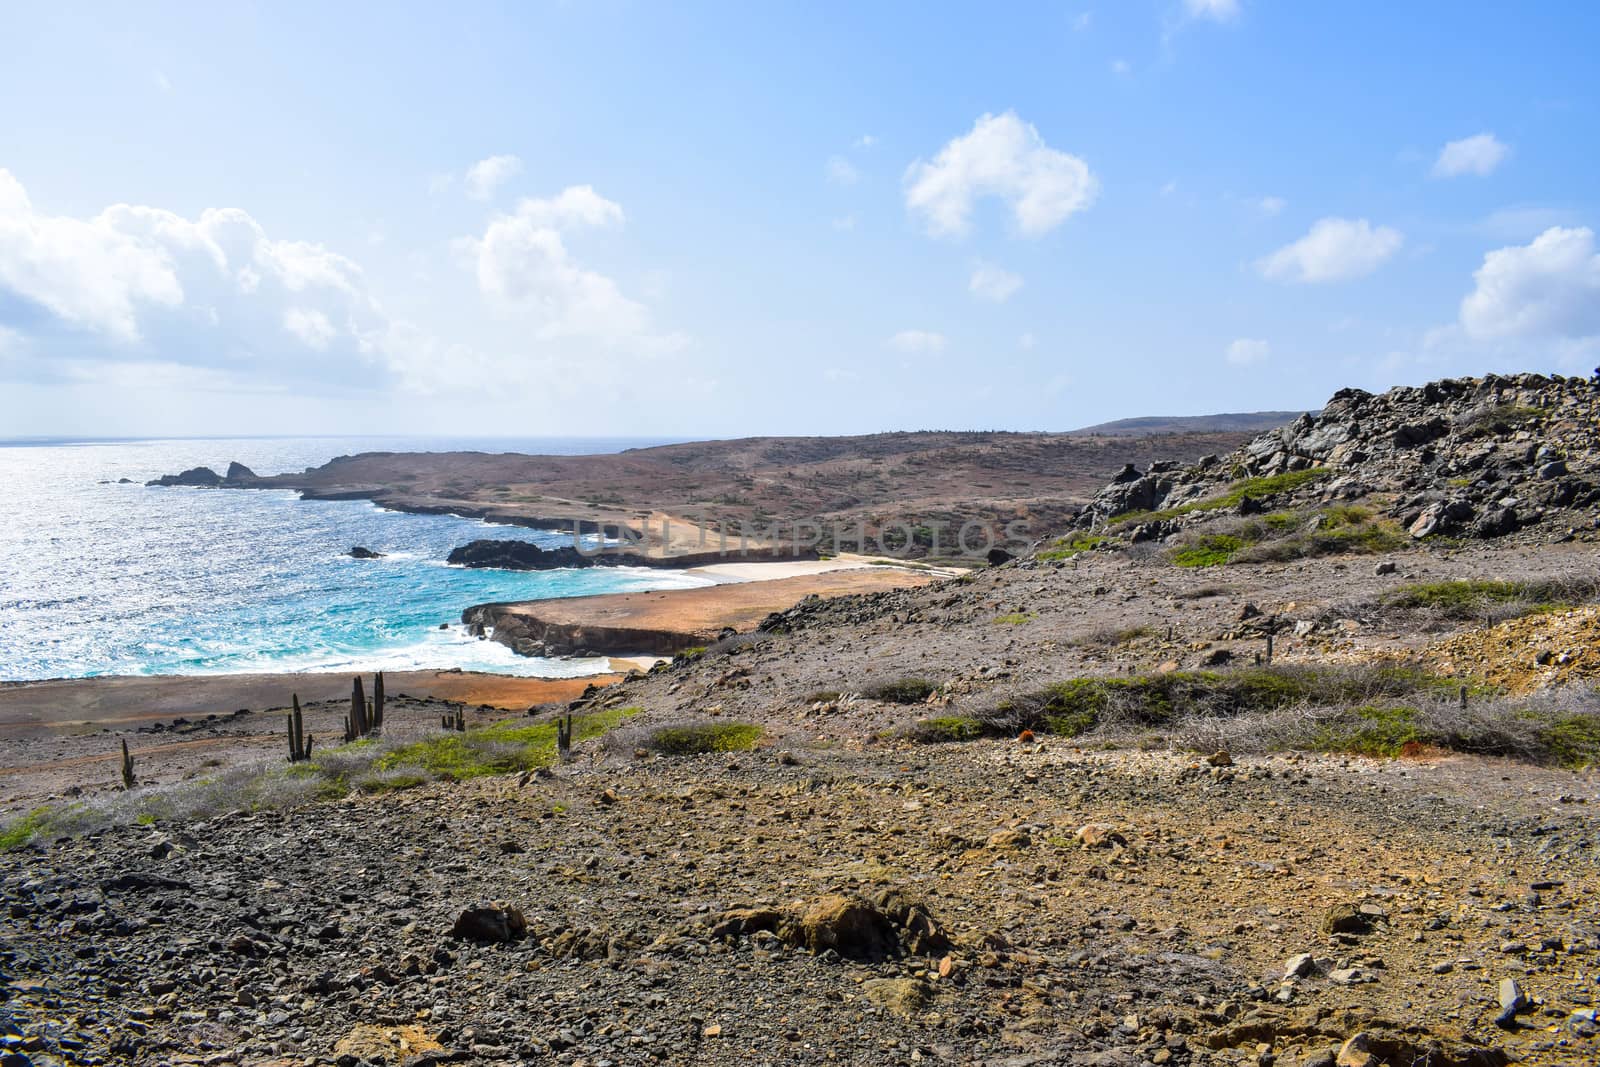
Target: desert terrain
x=1285, y=756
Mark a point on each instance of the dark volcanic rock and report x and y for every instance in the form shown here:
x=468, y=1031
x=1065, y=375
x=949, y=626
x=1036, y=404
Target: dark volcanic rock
x=203, y=476
x=518, y=556
x=358, y=552
x=238, y=472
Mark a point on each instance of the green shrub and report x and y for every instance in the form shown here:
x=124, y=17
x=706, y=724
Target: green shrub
x=947, y=728
x=1210, y=550
x=823, y=696
x=19, y=832
x=1574, y=740
x=697, y=739
x=1371, y=731
x=1014, y=618
x=1070, y=545
x=902, y=691
x=1230, y=497
x=499, y=748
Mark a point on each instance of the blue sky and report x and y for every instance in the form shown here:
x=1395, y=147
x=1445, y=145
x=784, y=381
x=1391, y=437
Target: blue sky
x=717, y=219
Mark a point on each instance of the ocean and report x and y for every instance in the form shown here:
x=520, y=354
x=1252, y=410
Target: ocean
x=100, y=577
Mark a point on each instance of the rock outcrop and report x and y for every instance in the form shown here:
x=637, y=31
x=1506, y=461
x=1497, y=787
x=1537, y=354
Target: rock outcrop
x=195, y=476
x=518, y=556
x=1474, y=457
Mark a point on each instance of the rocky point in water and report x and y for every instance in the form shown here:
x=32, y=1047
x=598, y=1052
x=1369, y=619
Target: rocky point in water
x=519, y=556
x=361, y=552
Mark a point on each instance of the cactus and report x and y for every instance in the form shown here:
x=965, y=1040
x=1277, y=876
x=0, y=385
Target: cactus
x=377, y=701
x=299, y=747
x=358, y=709
x=564, y=738
x=307, y=753
x=127, y=767
x=455, y=720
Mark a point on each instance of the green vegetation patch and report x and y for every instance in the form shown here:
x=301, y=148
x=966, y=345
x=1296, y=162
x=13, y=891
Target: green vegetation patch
x=1210, y=550
x=1015, y=618
x=1071, y=545
x=1230, y=497
x=902, y=691
x=1470, y=599
x=499, y=748
x=1573, y=739
x=702, y=738
x=948, y=728
x=1290, y=535
x=1372, y=731
x=19, y=832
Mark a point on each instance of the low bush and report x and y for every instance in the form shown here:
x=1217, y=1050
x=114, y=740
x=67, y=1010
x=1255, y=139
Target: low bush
x=1290, y=535
x=1230, y=497
x=901, y=691
x=370, y=765
x=699, y=738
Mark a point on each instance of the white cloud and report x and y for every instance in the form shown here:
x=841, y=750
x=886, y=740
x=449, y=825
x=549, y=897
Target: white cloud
x=1169, y=187
x=1271, y=205
x=1334, y=250
x=840, y=171
x=1548, y=288
x=866, y=140
x=487, y=175
x=89, y=273
x=844, y=222
x=1246, y=351
x=1083, y=21
x=525, y=270
x=574, y=206
x=1215, y=10
x=1027, y=341
x=310, y=326
x=1003, y=157
x=1121, y=68
x=1479, y=154
x=163, y=82
x=138, y=286
x=991, y=282
x=917, y=341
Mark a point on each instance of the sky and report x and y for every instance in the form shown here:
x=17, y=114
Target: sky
x=697, y=219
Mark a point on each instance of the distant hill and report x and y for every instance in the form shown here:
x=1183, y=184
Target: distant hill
x=1234, y=422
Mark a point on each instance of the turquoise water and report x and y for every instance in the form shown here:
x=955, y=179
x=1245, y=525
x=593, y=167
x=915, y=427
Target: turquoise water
x=98, y=577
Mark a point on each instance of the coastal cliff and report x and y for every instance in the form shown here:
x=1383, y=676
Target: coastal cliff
x=663, y=622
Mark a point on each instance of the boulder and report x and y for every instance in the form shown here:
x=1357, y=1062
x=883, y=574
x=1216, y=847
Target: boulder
x=490, y=923
x=359, y=552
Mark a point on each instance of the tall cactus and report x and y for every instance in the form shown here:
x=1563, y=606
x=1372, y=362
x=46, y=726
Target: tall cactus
x=377, y=701
x=127, y=767
x=299, y=744
x=564, y=738
x=358, y=709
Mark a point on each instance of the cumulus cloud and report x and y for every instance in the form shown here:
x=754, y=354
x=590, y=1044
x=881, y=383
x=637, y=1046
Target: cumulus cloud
x=990, y=282
x=1005, y=158
x=137, y=284
x=487, y=175
x=1548, y=288
x=524, y=268
x=1246, y=351
x=840, y=171
x=1479, y=154
x=1334, y=250
x=917, y=341
x=1215, y=10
